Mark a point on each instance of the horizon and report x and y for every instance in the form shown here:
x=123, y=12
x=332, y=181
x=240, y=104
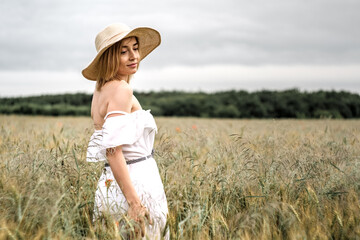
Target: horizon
x=192, y=92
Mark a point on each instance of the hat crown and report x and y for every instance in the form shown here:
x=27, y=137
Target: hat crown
x=110, y=32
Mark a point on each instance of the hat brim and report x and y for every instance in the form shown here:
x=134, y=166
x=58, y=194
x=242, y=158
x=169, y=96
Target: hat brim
x=148, y=39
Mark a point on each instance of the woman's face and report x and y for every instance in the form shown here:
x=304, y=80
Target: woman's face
x=130, y=57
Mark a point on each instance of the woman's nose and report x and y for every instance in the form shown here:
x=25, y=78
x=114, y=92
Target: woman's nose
x=133, y=54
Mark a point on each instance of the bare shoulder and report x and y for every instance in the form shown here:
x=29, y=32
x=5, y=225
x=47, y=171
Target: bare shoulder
x=116, y=84
x=119, y=95
x=123, y=86
x=116, y=89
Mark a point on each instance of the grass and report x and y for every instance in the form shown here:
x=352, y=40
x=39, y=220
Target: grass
x=224, y=179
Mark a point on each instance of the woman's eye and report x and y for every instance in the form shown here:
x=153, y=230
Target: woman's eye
x=123, y=52
x=136, y=49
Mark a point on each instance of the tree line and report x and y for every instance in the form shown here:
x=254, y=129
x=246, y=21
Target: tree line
x=290, y=103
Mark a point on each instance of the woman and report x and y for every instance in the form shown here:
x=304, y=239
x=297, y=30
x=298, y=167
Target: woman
x=124, y=133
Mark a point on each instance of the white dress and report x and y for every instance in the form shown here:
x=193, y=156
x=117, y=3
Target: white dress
x=135, y=132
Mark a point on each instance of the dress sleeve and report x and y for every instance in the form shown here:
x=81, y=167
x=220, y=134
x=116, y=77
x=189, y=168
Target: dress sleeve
x=120, y=130
x=95, y=152
x=116, y=131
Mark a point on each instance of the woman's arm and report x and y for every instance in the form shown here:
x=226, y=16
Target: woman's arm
x=119, y=168
x=120, y=171
x=120, y=98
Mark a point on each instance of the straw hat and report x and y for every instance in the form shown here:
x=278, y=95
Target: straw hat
x=148, y=39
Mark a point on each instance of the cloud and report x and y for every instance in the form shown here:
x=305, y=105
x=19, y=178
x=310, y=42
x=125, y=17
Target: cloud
x=59, y=35
x=206, y=45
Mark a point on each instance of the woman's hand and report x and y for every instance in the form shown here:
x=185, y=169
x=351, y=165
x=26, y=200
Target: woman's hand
x=141, y=216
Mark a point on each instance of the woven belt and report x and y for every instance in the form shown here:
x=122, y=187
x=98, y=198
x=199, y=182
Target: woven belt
x=128, y=162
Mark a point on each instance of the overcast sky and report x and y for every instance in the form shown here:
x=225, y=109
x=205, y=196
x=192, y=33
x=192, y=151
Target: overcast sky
x=206, y=45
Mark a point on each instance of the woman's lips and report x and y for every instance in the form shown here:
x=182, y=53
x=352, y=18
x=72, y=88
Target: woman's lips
x=133, y=65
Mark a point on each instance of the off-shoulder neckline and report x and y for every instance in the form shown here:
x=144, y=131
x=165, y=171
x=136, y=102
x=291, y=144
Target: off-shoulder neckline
x=124, y=113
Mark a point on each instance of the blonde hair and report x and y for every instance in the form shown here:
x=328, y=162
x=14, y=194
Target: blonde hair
x=109, y=63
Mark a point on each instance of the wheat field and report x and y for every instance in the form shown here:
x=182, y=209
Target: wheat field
x=224, y=179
